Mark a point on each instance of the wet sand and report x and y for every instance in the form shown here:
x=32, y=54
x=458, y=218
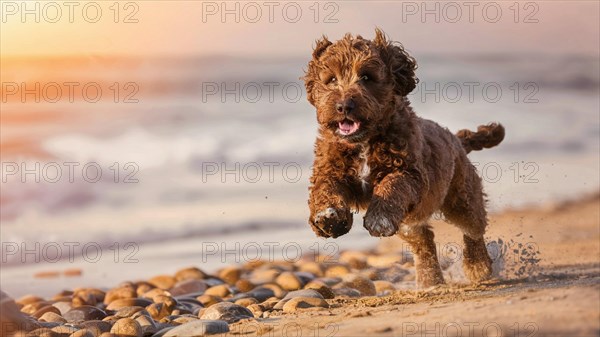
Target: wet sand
x=562, y=298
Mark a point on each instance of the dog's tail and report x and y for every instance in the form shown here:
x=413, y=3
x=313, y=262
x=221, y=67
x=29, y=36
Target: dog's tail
x=486, y=136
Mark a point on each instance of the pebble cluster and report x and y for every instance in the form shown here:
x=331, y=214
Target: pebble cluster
x=194, y=303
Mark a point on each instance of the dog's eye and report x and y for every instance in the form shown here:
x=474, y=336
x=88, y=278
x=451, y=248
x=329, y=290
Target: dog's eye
x=332, y=80
x=365, y=77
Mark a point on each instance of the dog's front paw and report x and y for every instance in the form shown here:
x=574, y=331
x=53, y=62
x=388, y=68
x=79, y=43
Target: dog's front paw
x=332, y=222
x=379, y=225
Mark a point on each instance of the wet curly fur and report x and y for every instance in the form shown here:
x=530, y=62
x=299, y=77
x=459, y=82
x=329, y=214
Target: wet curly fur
x=374, y=154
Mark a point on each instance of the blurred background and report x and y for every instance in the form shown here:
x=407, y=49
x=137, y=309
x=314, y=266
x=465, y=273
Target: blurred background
x=157, y=133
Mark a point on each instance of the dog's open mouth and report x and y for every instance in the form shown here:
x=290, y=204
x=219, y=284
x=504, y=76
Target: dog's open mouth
x=348, y=127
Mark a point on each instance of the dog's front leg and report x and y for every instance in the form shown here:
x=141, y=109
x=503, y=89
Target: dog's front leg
x=392, y=197
x=330, y=214
x=334, y=189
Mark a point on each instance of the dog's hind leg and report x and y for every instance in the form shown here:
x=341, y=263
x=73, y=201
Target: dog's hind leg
x=420, y=239
x=464, y=206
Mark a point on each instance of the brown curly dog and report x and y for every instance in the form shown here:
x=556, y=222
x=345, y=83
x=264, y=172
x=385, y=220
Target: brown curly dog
x=373, y=153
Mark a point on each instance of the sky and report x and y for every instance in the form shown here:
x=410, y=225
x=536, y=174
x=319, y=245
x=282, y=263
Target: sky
x=273, y=29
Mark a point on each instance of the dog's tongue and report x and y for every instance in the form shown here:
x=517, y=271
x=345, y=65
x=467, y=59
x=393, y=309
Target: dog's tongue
x=348, y=127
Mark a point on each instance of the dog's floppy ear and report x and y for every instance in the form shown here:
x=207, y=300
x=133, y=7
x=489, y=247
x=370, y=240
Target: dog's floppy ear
x=402, y=66
x=312, y=72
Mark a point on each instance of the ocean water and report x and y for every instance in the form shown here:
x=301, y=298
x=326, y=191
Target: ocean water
x=195, y=153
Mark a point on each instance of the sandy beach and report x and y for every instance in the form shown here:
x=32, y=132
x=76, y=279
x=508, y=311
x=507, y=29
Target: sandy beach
x=561, y=298
x=547, y=284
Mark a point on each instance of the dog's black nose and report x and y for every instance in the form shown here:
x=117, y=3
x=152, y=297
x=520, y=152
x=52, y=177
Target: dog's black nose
x=345, y=106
